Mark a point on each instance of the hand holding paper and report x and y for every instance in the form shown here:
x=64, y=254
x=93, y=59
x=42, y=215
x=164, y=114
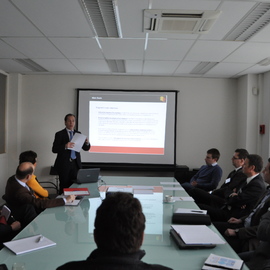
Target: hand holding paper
x=78, y=140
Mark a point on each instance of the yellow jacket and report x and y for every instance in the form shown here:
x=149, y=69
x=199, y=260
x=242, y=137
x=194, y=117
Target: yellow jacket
x=39, y=191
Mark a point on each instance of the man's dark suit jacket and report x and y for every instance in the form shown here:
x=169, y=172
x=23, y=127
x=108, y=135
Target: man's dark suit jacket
x=219, y=196
x=261, y=256
x=237, y=180
x=240, y=205
x=17, y=195
x=63, y=155
x=246, y=236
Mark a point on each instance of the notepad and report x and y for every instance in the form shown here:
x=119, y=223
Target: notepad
x=29, y=244
x=218, y=262
x=76, y=191
x=197, y=234
x=190, y=211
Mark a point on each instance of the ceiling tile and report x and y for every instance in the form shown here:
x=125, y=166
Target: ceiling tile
x=88, y=66
x=160, y=67
x=227, y=69
x=167, y=49
x=134, y=66
x=211, y=51
x=34, y=47
x=6, y=51
x=19, y=27
x=122, y=48
x=78, y=47
x=57, y=65
x=250, y=53
x=56, y=18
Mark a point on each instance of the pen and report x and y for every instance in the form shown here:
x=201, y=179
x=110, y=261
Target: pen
x=13, y=218
x=196, y=211
x=40, y=238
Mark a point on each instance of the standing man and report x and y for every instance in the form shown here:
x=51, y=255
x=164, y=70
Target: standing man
x=209, y=175
x=67, y=162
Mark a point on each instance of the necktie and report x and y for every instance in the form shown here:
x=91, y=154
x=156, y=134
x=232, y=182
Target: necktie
x=72, y=154
x=259, y=206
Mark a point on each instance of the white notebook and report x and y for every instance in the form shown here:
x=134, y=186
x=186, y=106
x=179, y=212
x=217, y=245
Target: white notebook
x=29, y=244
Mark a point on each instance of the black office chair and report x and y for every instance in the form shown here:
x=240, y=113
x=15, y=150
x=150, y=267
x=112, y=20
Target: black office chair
x=51, y=185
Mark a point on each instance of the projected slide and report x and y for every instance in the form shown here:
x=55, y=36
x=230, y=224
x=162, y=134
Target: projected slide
x=128, y=126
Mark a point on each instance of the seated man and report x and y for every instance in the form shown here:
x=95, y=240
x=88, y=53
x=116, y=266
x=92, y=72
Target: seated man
x=209, y=175
x=241, y=203
x=260, y=258
x=234, y=181
x=118, y=233
x=241, y=233
x=39, y=191
x=18, y=194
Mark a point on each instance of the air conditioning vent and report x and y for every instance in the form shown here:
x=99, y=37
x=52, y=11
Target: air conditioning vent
x=179, y=21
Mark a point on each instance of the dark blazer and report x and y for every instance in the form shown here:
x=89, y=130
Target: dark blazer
x=261, y=257
x=63, y=155
x=251, y=232
x=99, y=260
x=238, y=178
x=17, y=195
x=247, y=196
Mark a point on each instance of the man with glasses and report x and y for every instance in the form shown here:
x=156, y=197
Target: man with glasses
x=232, y=183
x=241, y=233
x=241, y=202
x=209, y=175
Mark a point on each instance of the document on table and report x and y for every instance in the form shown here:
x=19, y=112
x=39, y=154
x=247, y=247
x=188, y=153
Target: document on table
x=76, y=191
x=190, y=211
x=79, y=140
x=218, y=262
x=197, y=234
x=28, y=244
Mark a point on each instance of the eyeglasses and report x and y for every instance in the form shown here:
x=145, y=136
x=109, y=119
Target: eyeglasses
x=235, y=157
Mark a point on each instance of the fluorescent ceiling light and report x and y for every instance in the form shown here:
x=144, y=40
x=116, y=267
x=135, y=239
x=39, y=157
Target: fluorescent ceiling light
x=28, y=63
x=265, y=62
x=203, y=67
x=252, y=23
x=103, y=17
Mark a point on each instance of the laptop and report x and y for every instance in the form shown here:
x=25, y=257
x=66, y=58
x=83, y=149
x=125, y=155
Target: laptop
x=87, y=175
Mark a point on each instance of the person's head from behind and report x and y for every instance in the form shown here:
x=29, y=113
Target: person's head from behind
x=28, y=156
x=119, y=224
x=253, y=165
x=212, y=156
x=24, y=171
x=239, y=157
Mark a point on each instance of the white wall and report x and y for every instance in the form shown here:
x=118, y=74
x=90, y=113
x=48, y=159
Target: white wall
x=207, y=114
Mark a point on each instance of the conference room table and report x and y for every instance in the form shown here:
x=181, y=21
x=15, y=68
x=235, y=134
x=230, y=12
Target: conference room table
x=71, y=228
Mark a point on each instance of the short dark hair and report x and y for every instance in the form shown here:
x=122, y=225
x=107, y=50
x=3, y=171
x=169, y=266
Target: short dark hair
x=21, y=174
x=256, y=161
x=28, y=156
x=119, y=224
x=214, y=152
x=242, y=153
x=68, y=115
